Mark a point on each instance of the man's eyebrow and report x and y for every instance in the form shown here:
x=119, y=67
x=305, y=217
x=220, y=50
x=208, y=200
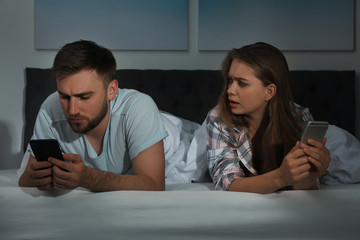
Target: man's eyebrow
x=78, y=94
x=61, y=93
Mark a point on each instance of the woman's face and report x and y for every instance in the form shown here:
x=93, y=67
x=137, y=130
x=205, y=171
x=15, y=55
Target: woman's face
x=247, y=94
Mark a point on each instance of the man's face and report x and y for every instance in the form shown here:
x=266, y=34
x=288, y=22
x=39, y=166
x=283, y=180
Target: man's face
x=83, y=100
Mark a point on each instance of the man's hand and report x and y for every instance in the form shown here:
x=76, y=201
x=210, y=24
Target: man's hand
x=41, y=174
x=68, y=174
x=148, y=165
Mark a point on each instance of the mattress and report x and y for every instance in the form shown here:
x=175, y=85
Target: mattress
x=183, y=211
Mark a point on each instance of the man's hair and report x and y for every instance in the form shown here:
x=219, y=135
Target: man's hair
x=84, y=55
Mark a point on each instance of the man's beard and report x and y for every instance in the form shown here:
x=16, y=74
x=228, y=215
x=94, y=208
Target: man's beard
x=91, y=123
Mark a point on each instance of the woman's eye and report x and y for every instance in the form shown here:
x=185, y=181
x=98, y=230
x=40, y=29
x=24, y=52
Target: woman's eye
x=238, y=82
x=242, y=84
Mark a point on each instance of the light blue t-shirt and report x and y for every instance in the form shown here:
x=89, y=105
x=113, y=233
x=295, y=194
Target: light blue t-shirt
x=135, y=125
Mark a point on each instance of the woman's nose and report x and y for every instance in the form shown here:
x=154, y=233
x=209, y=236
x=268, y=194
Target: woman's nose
x=231, y=89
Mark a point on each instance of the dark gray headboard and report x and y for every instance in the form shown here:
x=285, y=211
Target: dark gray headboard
x=190, y=94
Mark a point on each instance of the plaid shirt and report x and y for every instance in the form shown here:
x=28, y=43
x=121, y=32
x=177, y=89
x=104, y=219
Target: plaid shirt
x=229, y=149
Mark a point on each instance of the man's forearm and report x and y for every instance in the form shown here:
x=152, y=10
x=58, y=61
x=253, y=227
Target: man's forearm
x=101, y=181
x=25, y=180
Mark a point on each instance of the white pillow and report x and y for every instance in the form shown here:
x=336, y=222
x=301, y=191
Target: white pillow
x=344, y=150
x=185, y=160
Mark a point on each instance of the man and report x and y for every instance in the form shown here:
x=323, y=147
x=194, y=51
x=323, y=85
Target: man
x=113, y=138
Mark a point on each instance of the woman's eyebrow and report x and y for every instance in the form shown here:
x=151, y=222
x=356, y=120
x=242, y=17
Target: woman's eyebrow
x=238, y=78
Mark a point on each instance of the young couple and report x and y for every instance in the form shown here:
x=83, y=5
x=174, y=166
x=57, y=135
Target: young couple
x=113, y=138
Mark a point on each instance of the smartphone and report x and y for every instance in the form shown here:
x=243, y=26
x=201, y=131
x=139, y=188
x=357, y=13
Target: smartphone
x=45, y=148
x=315, y=130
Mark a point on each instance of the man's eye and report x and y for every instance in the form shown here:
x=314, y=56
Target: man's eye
x=64, y=97
x=84, y=97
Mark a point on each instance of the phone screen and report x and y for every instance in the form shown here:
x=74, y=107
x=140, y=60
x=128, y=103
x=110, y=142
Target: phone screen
x=45, y=148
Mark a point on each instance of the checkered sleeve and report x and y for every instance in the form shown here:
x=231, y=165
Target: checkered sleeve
x=223, y=161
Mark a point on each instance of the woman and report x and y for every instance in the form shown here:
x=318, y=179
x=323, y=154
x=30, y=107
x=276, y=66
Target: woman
x=253, y=132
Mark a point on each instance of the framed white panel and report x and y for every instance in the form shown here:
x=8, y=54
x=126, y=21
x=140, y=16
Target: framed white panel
x=287, y=24
x=115, y=24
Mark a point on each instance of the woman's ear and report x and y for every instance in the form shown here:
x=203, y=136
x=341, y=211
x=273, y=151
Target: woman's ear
x=112, y=90
x=270, y=91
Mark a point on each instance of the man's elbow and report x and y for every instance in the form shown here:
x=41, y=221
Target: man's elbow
x=158, y=186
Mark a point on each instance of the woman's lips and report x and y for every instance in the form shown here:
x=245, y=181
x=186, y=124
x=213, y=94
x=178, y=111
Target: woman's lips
x=233, y=103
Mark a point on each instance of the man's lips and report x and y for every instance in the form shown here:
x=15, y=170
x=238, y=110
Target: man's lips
x=76, y=120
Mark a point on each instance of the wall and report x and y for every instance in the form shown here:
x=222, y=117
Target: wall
x=17, y=52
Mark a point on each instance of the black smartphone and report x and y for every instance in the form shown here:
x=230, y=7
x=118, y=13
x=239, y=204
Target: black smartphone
x=315, y=130
x=45, y=148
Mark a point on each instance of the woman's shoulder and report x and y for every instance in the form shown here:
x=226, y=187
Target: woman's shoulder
x=303, y=113
x=214, y=121
x=213, y=115
x=214, y=111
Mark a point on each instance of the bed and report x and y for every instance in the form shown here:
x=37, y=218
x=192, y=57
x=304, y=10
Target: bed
x=183, y=211
x=189, y=210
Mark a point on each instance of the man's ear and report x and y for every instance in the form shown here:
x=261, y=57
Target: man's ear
x=112, y=89
x=270, y=91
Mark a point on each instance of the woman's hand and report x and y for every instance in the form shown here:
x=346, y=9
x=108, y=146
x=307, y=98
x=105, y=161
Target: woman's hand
x=294, y=168
x=318, y=155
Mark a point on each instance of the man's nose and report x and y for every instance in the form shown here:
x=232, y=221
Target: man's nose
x=73, y=106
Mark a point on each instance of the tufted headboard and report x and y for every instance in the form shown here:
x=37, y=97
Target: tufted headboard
x=190, y=94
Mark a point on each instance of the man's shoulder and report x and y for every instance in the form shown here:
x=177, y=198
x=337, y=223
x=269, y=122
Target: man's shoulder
x=51, y=107
x=51, y=100
x=128, y=98
x=131, y=94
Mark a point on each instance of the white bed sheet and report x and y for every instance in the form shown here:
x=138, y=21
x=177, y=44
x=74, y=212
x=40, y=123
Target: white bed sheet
x=184, y=211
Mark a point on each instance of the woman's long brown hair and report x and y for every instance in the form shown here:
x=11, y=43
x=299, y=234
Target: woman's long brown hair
x=280, y=128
